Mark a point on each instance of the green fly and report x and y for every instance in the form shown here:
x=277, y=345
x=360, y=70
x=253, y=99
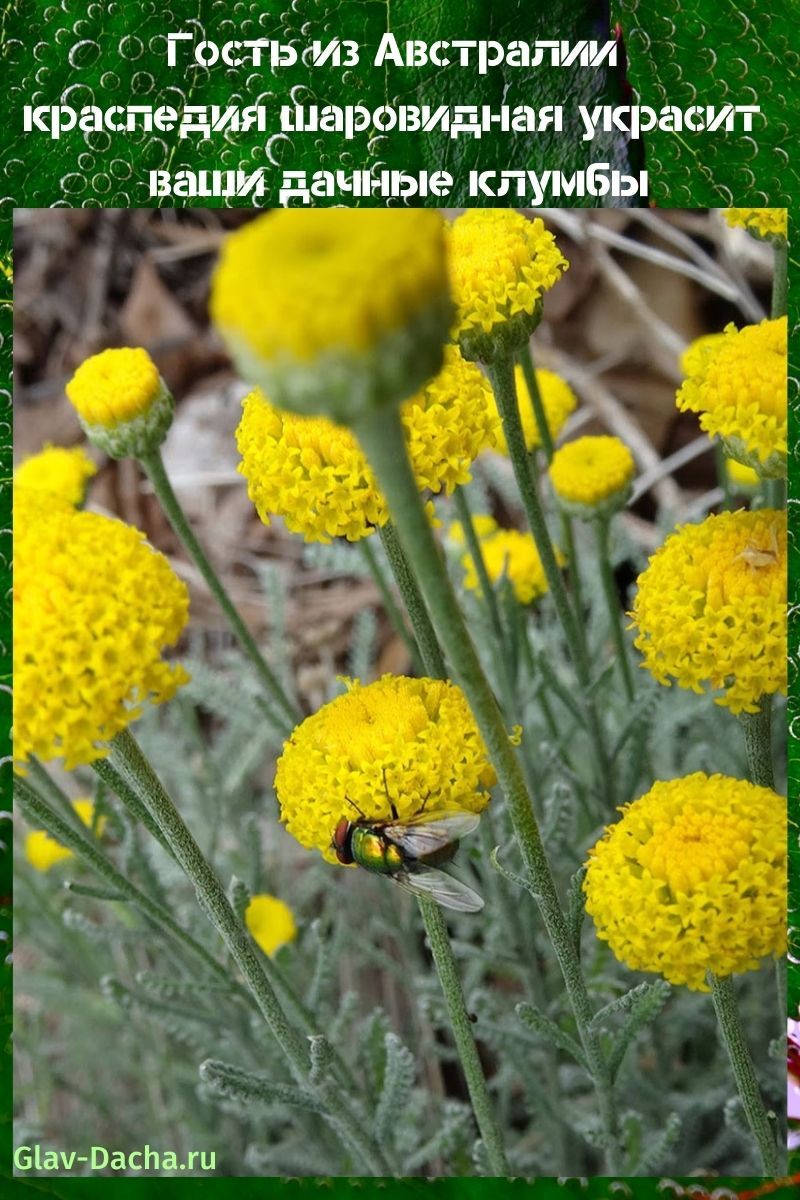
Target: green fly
x=411, y=852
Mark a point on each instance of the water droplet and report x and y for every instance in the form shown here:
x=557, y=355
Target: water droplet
x=131, y=47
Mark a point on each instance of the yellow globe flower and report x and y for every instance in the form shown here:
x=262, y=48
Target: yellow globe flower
x=711, y=608
x=763, y=222
x=507, y=554
x=314, y=475
x=501, y=264
x=558, y=401
x=739, y=390
x=43, y=851
x=335, y=311
x=58, y=472
x=592, y=476
x=94, y=606
x=693, y=879
x=270, y=922
x=406, y=741
x=122, y=402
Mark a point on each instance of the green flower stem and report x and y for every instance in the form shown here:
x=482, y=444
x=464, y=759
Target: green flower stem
x=504, y=667
x=501, y=377
x=461, y=1027
x=133, y=765
x=780, y=280
x=757, y=728
x=730, y=1023
x=427, y=641
x=153, y=464
x=602, y=527
x=774, y=493
x=392, y=611
x=525, y=359
x=476, y=551
x=112, y=778
x=381, y=435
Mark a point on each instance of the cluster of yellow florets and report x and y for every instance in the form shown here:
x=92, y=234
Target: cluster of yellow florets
x=591, y=472
x=271, y=922
x=738, y=386
x=695, y=354
x=58, y=472
x=500, y=265
x=114, y=386
x=314, y=474
x=43, y=851
x=94, y=606
x=558, y=401
x=711, y=607
x=693, y=879
x=122, y=402
x=766, y=222
x=406, y=741
x=507, y=554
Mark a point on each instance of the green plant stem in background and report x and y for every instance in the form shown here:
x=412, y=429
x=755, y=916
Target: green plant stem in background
x=38, y=811
x=135, y=768
x=730, y=1023
x=780, y=281
x=504, y=667
x=757, y=728
x=153, y=464
x=392, y=611
x=50, y=790
x=424, y=631
x=461, y=1028
x=602, y=528
x=501, y=377
x=381, y=435
x=774, y=491
x=476, y=551
x=526, y=362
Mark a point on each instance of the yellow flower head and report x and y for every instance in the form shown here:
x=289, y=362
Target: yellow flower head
x=507, y=554
x=271, y=923
x=592, y=476
x=314, y=474
x=43, y=851
x=335, y=311
x=763, y=222
x=558, y=401
x=58, y=472
x=500, y=265
x=694, y=356
x=406, y=741
x=94, y=606
x=693, y=879
x=711, y=607
x=122, y=402
x=739, y=389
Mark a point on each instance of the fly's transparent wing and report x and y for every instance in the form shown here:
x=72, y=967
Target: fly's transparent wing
x=424, y=837
x=441, y=887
